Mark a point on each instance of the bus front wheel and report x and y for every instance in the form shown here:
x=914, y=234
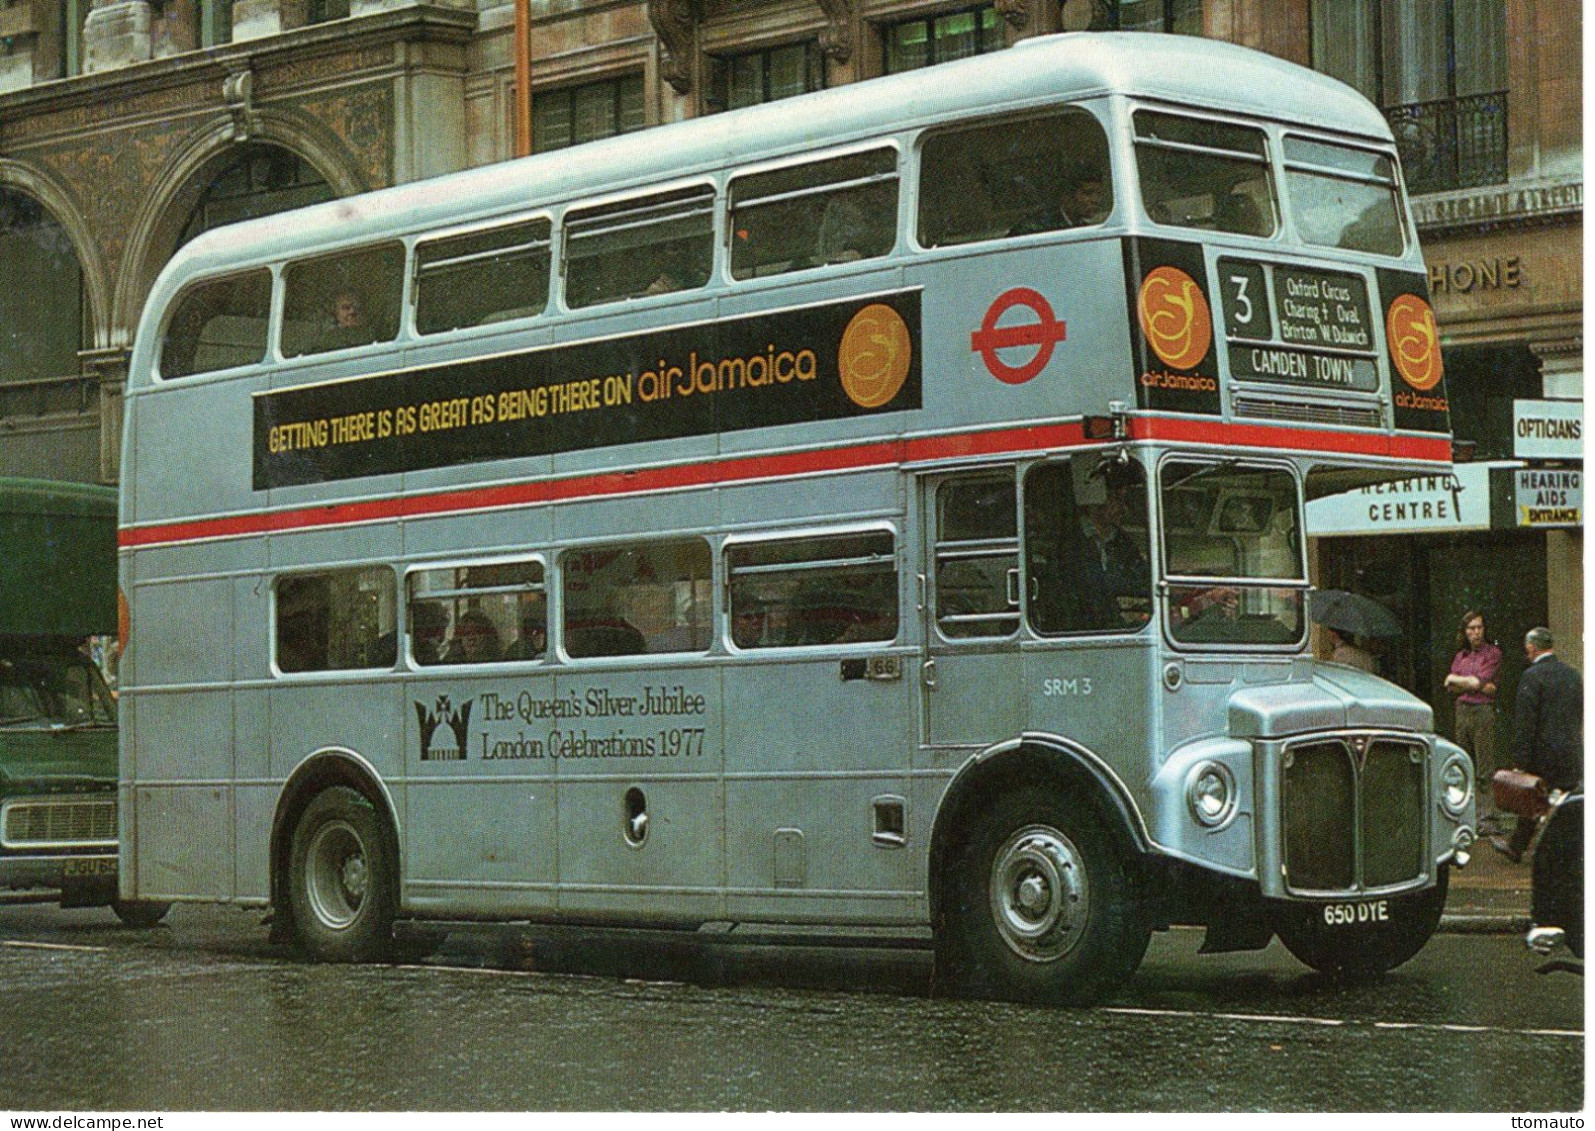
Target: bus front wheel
x=1349, y=949
x=341, y=879
x=1041, y=905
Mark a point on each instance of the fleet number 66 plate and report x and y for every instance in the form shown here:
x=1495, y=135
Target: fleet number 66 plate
x=1344, y=914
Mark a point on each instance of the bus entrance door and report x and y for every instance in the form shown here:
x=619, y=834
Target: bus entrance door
x=972, y=681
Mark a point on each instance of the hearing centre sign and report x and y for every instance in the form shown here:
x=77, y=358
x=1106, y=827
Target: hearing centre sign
x=1429, y=504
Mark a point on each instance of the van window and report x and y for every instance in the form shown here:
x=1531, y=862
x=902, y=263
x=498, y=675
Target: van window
x=481, y=277
x=335, y=619
x=638, y=600
x=836, y=211
x=1201, y=174
x=638, y=248
x=218, y=324
x=347, y=299
x=1014, y=178
x=829, y=589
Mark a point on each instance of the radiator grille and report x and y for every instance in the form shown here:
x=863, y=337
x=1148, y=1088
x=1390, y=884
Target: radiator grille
x=1338, y=415
x=58, y=822
x=1353, y=813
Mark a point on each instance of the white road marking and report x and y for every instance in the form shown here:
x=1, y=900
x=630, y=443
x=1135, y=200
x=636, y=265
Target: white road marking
x=1332, y=1022
x=52, y=946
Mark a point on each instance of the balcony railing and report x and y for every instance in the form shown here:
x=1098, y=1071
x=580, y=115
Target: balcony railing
x=1454, y=143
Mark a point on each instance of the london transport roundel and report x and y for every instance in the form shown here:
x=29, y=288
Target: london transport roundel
x=1042, y=335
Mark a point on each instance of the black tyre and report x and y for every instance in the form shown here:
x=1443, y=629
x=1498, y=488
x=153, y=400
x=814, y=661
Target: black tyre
x=342, y=879
x=1357, y=950
x=1558, y=899
x=140, y=914
x=1040, y=903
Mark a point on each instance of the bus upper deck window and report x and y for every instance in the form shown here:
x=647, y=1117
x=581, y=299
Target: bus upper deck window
x=218, y=324
x=480, y=277
x=347, y=299
x=1014, y=178
x=1343, y=197
x=1203, y=174
x=641, y=247
x=836, y=211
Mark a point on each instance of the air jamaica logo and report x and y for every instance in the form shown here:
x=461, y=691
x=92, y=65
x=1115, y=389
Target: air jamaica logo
x=1414, y=342
x=443, y=730
x=1174, y=317
x=874, y=356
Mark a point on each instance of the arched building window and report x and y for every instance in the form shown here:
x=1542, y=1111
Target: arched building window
x=258, y=180
x=41, y=309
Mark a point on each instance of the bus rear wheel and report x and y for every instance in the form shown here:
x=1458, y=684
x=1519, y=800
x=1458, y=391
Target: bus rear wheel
x=1041, y=904
x=1356, y=951
x=342, y=879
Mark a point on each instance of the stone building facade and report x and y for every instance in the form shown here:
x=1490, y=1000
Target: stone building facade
x=127, y=126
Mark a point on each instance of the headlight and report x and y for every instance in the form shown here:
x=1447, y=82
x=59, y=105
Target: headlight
x=1210, y=793
x=1456, y=785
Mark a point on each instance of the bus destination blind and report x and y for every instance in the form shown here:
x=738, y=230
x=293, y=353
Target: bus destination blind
x=828, y=362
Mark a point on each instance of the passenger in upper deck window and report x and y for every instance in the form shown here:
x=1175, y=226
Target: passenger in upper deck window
x=345, y=325
x=855, y=226
x=1086, y=199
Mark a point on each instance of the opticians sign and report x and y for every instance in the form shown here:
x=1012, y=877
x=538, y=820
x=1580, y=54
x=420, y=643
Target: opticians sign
x=1549, y=498
x=1429, y=504
x=1548, y=429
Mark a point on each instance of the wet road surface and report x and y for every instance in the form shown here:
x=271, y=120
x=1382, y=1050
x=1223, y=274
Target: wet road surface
x=203, y=1014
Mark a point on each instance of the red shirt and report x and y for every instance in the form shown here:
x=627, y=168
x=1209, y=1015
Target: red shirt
x=1481, y=663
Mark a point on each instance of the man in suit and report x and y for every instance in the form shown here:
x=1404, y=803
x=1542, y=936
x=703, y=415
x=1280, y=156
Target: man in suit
x=1548, y=726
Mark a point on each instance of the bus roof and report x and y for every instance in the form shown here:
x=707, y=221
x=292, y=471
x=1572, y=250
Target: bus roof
x=57, y=558
x=1198, y=73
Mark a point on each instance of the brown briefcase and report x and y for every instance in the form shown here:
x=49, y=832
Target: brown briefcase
x=1520, y=792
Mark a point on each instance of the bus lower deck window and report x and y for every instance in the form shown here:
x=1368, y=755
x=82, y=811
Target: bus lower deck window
x=827, y=589
x=647, y=599
x=335, y=620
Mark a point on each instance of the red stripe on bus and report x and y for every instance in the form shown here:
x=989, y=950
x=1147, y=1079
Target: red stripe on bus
x=1006, y=441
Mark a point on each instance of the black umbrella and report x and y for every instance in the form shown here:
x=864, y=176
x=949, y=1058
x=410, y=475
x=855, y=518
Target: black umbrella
x=1352, y=614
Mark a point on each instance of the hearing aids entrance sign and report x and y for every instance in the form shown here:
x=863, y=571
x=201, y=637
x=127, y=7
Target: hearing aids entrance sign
x=1429, y=504
x=825, y=362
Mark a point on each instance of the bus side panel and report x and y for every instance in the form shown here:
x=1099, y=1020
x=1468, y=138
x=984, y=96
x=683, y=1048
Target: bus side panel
x=181, y=759
x=482, y=820
x=194, y=438
x=1094, y=693
x=1069, y=295
x=656, y=732
x=810, y=753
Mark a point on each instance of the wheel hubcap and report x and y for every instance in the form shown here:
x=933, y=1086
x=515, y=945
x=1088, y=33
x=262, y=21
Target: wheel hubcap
x=1039, y=896
x=337, y=876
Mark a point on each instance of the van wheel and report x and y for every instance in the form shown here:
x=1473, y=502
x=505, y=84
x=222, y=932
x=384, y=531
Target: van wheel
x=140, y=914
x=342, y=879
x=1041, y=904
x=1356, y=951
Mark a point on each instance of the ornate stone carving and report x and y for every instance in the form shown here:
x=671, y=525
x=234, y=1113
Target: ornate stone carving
x=836, y=40
x=676, y=24
x=238, y=90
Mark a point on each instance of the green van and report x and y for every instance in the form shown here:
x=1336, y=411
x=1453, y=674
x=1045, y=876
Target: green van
x=58, y=765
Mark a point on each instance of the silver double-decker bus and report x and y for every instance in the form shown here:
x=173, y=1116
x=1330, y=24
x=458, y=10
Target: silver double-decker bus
x=880, y=509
